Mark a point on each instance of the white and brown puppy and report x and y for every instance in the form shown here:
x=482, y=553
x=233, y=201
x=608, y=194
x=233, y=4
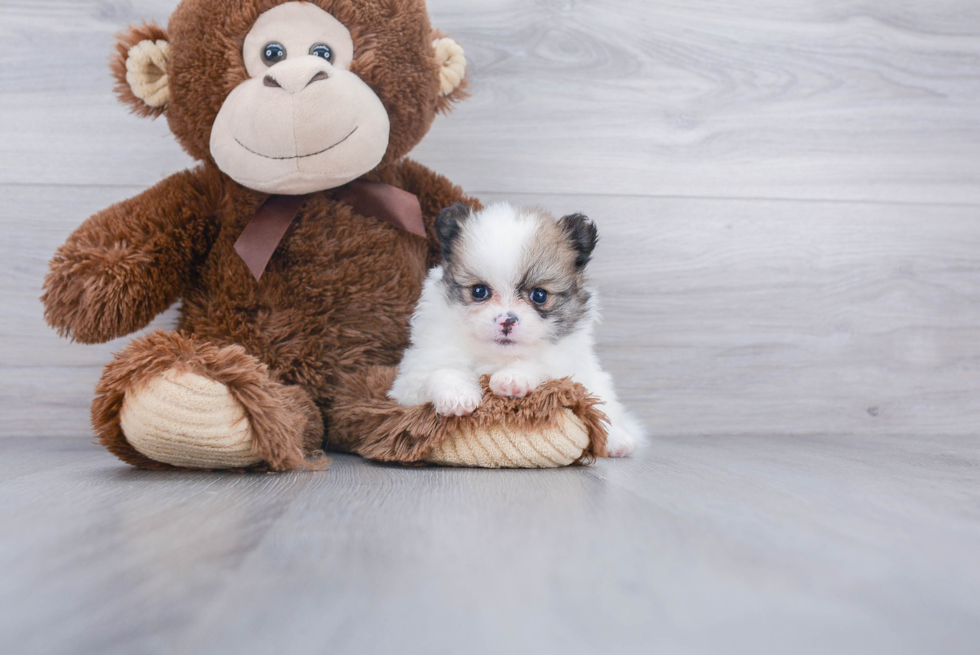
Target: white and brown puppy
x=510, y=300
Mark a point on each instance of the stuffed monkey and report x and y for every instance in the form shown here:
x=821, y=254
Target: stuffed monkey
x=298, y=246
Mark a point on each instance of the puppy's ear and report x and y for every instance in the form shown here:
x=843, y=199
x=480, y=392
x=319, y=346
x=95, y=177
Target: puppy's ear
x=140, y=67
x=449, y=225
x=582, y=234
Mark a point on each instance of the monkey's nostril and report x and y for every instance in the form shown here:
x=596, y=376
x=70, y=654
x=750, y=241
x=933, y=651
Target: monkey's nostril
x=268, y=80
x=322, y=75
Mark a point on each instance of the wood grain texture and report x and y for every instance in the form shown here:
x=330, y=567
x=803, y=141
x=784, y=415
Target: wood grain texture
x=849, y=99
x=700, y=545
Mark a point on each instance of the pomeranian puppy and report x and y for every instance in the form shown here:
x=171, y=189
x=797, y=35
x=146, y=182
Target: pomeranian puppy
x=510, y=300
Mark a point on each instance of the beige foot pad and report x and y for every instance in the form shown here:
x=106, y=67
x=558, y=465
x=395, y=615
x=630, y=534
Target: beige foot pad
x=185, y=419
x=498, y=447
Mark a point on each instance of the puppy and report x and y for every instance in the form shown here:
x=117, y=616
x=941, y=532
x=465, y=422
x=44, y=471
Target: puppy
x=510, y=300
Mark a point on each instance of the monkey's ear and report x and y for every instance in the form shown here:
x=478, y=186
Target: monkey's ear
x=140, y=68
x=451, y=60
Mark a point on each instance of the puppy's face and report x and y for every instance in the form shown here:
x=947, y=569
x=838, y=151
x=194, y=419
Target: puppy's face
x=518, y=274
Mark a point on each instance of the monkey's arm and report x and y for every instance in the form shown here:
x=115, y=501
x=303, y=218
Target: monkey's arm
x=128, y=263
x=435, y=193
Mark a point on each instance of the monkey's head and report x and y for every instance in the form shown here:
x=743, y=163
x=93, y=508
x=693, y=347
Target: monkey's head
x=292, y=97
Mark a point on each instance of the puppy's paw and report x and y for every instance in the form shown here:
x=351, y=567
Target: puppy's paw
x=513, y=383
x=457, y=401
x=622, y=441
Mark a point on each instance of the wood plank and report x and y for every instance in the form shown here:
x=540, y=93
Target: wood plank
x=755, y=544
x=29, y=455
x=837, y=100
x=756, y=317
x=133, y=537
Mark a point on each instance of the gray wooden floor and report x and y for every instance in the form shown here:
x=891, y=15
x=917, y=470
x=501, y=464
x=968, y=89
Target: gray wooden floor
x=789, y=200
x=700, y=545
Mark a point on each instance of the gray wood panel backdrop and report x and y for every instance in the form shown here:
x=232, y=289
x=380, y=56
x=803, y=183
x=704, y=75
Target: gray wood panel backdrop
x=787, y=193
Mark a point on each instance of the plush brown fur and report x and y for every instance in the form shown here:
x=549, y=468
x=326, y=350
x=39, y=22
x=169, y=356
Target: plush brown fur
x=133, y=260
x=299, y=345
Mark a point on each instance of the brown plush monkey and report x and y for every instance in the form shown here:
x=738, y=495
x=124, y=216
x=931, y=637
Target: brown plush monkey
x=293, y=245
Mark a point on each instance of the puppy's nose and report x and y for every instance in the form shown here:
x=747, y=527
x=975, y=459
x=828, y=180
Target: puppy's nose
x=508, y=322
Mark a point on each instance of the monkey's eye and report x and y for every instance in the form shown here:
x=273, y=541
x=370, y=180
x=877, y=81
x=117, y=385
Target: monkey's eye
x=480, y=292
x=539, y=296
x=323, y=51
x=273, y=53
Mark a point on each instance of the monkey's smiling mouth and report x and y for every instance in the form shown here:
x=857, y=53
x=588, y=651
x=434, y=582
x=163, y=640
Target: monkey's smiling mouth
x=312, y=154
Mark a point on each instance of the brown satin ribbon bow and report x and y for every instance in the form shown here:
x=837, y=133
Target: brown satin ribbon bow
x=265, y=231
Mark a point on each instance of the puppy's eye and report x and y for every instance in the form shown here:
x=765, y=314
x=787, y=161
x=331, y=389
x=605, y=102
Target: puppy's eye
x=480, y=292
x=323, y=51
x=539, y=296
x=273, y=53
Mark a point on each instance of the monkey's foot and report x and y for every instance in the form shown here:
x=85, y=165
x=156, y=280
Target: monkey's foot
x=172, y=401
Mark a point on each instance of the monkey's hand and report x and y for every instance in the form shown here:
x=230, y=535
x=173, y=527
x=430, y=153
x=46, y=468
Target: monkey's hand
x=128, y=263
x=96, y=294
